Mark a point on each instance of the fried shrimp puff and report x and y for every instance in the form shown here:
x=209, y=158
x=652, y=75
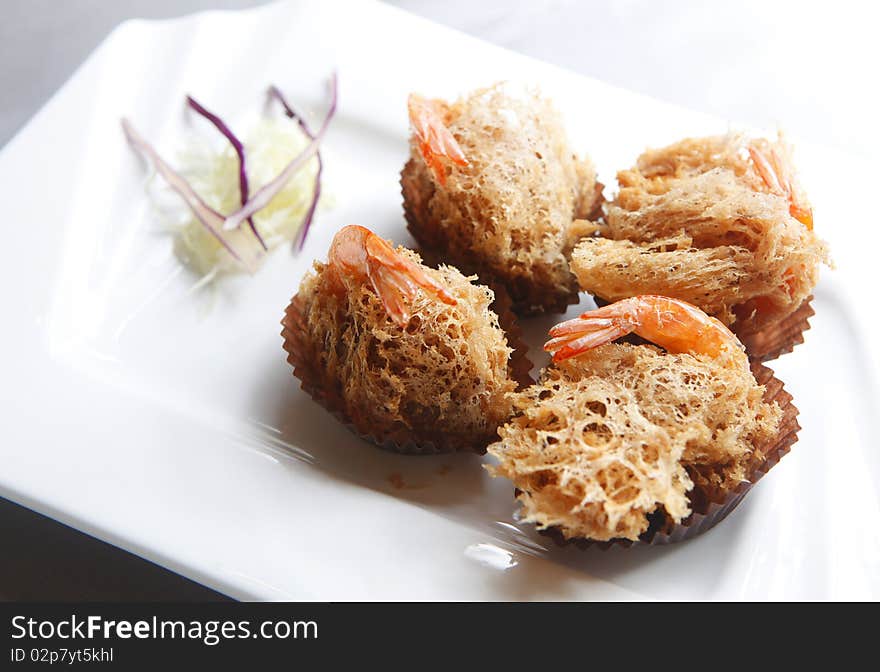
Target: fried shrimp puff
x=616, y=436
x=493, y=187
x=411, y=357
x=720, y=222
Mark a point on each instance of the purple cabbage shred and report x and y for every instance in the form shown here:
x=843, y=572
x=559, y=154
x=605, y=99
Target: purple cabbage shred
x=268, y=191
x=221, y=126
x=275, y=92
x=212, y=220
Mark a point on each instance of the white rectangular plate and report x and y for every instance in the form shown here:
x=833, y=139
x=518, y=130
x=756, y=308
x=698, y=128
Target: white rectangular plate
x=167, y=422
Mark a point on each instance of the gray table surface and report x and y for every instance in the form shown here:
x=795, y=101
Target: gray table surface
x=806, y=66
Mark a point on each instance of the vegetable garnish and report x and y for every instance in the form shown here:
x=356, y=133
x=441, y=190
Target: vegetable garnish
x=271, y=196
x=268, y=191
x=275, y=92
x=221, y=126
x=210, y=218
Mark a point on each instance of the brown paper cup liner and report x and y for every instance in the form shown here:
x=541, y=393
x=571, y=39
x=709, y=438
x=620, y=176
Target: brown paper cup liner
x=780, y=338
x=710, y=508
x=520, y=364
x=297, y=344
x=596, y=212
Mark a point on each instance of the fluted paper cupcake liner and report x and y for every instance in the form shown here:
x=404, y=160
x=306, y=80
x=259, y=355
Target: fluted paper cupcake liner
x=780, y=338
x=710, y=508
x=520, y=364
x=299, y=355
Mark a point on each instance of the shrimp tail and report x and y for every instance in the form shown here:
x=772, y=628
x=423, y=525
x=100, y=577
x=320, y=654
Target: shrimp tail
x=358, y=255
x=436, y=143
x=670, y=323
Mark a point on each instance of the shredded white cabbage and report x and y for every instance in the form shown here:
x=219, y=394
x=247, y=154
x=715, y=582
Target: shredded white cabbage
x=213, y=173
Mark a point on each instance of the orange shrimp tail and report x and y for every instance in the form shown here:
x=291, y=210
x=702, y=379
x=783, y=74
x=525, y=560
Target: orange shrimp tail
x=766, y=170
x=672, y=324
x=774, y=175
x=587, y=337
x=396, y=280
x=436, y=142
x=358, y=255
x=803, y=214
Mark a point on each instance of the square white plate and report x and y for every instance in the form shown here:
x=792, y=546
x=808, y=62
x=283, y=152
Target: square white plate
x=167, y=422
